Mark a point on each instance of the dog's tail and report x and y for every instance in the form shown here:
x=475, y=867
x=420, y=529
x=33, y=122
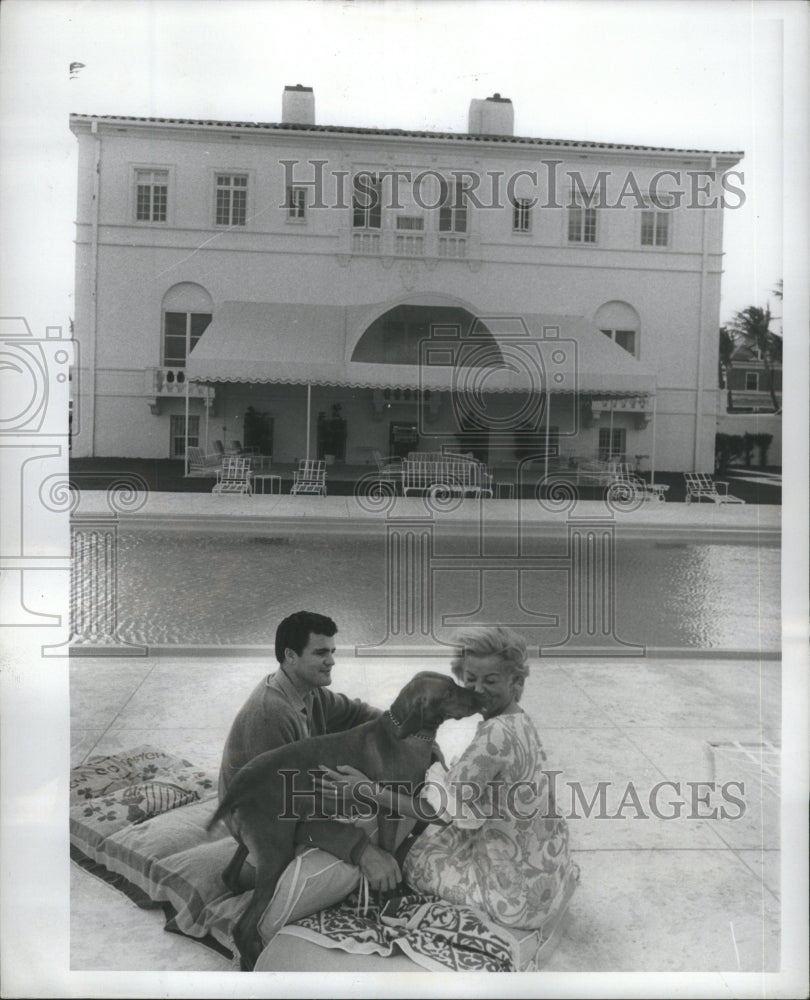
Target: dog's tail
x=226, y=806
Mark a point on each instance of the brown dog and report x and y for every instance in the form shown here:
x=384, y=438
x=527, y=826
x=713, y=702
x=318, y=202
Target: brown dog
x=266, y=814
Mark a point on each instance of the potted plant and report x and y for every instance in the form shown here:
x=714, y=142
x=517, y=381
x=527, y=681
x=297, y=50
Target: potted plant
x=332, y=435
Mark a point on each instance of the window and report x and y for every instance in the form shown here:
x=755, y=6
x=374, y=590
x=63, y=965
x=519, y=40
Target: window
x=453, y=210
x=752, y=380
x=366, y=201
x=521, y=215
x=151, y=195
x=624, y=338
x=177, y=430
x=231, y=203
x=612, y=443
x=620, y=321
x=296, y=203
x=181, y=331
x=654, y=228
x=412, y=222
x=581, y=224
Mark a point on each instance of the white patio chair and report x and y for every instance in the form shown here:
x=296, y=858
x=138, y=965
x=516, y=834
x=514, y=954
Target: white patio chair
x=310, y=477
x=200, y=464
x=234, y=476
x=701, y=486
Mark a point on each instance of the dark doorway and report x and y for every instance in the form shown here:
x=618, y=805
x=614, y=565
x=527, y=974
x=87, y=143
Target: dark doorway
x=402, y=438
x=258, y=431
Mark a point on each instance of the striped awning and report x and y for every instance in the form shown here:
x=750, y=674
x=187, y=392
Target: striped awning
x=287, y=343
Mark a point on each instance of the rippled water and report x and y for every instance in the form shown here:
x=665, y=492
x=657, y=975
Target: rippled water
x=233, y=589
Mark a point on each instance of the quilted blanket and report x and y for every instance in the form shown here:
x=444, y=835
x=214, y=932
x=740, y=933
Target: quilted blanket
x=138, y=819
x=434, y=934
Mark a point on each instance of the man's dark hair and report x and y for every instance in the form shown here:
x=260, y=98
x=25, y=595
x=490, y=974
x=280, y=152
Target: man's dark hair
x=295, y=630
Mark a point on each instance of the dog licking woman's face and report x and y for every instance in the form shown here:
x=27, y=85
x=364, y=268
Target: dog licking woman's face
x=312, y=667
x=497, y=685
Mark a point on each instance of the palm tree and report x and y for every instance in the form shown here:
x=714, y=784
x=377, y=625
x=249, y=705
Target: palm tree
x=752, y=326
x=727, y=346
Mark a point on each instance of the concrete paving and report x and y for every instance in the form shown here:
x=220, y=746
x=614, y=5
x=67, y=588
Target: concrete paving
x=201, y=509
x=692, y=893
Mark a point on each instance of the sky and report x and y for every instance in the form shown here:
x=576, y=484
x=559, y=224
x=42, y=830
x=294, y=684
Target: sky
x=705, y=75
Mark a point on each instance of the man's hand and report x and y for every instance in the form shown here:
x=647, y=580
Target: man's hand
x=380, y=868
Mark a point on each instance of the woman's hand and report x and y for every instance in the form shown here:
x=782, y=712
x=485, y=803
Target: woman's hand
x=340, y=787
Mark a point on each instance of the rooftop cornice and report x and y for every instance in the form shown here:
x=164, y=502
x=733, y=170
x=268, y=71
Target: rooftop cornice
x=78, y=120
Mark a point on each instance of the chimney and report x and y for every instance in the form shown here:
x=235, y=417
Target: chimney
x=298, y=105
x=492, y=116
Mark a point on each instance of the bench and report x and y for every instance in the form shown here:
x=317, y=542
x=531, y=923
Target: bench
x=433, y=471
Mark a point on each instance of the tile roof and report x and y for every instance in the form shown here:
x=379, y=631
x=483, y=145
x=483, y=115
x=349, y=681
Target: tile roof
x=406, y=133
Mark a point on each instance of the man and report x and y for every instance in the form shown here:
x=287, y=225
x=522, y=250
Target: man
x=294, y=704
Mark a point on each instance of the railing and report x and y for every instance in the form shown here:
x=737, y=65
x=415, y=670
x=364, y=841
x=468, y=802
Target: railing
x=453, y=246
x=172, y=382
x=752, y=399
x=410, y=245
x=422, y=244
x=363, y=242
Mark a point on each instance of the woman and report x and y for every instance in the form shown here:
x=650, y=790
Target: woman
x=494, y=843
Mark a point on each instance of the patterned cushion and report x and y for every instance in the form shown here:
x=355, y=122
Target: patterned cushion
x=103, y=775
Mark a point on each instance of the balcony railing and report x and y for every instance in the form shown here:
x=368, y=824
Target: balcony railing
x=416, y=244
x=363, y=242
x=409, y=245
x=752, y=399
x=453, y=246
x=172, y=382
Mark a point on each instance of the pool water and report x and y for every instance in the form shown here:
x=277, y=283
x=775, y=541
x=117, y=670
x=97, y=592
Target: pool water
x=233, y=589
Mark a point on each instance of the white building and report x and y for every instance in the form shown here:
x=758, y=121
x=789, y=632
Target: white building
x=478, y=289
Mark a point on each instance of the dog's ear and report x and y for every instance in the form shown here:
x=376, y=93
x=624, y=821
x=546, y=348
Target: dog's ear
x=409, y=710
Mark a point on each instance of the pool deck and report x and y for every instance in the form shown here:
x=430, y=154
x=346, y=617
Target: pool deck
x=234, y=512
x=696, y=893
x=656, y=894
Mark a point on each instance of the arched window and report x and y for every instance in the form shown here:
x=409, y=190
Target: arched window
x=186, y=312
x=620, y=322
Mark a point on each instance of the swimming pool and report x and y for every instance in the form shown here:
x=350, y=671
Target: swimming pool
x=192, y=588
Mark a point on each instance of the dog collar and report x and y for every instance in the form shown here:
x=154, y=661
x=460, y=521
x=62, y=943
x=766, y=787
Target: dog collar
x=427, y=739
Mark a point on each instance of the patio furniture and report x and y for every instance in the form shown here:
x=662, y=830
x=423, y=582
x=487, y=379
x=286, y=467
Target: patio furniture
x=260, y=478
x=237, y=449
x=629, y=485
x=200, y=464
x=310, y=477
x=433, y=471
x=391, y=465
x=389, y=469
x=700, y=486
x=234, y=476
x=596, y=471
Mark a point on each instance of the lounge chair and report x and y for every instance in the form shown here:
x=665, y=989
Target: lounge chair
x=258, y=463
x=237, y=449
x=310, y=477
x=200, y=464
x=627, y=484
x=388, y=466
x=700, y=486
x=596, y=471
x=234, y=476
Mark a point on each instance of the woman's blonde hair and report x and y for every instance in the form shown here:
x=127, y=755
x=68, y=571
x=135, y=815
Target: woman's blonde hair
x=492, y=640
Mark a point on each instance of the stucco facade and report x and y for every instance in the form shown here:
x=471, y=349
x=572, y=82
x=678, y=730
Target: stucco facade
x=149, y=242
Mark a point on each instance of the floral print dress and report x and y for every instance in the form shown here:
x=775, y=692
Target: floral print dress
x=505, y=851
